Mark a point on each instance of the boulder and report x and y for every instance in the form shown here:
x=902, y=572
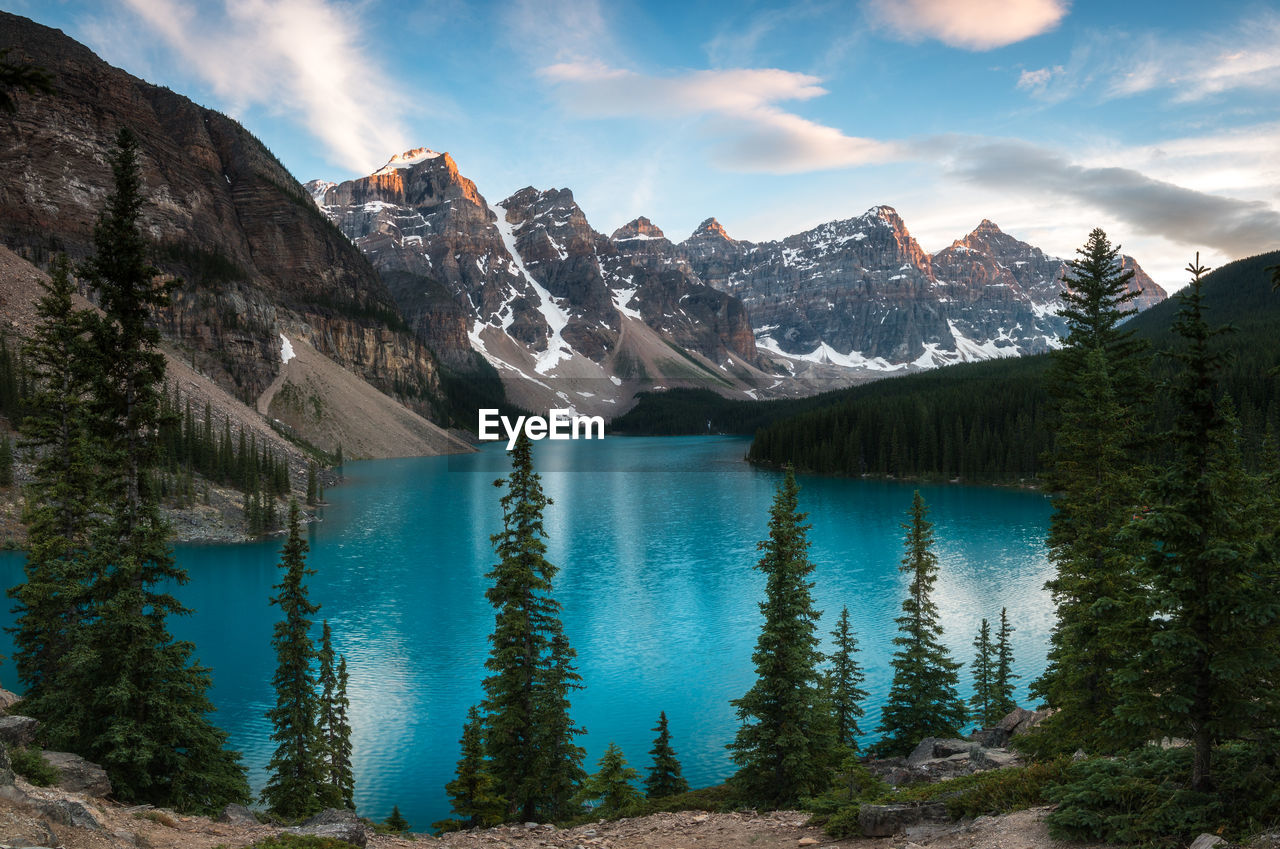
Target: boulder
x=70, y=812
x=335, y=823
x=18, y=730
x=1021, y=721
x=8, y=700
x=6, y=768
x=934, y=748
x=1206, y=841
x=888, y=820
x=79, y=775
x=237, y=815
x=984, y=758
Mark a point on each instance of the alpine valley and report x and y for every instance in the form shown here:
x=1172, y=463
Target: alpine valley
x=412, y=283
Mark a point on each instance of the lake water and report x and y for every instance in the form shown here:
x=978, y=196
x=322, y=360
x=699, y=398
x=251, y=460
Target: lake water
x=656, y=542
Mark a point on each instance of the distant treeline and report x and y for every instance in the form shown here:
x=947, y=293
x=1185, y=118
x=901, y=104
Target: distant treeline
x=980, y=422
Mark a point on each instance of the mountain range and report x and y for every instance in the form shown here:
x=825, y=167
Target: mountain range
x=413, y=282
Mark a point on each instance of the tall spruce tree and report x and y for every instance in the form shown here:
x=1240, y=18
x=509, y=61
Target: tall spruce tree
x=60, y=508
x=333, y=729
x=143, y=705
x=843, y=680
x=786, y=742
x=611, y=791
x=296, y=770
x=473, y=791
x=984, y=672
x=1100, y=387
x=528, y=733
x=664, y=778
x=1003, y=702
x=1208, y=666
x=922, y=699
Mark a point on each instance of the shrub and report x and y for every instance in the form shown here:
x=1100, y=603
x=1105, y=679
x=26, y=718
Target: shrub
x=300, y=841
x=31, y=765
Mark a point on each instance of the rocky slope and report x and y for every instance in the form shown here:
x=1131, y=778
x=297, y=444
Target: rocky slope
x=566, y=315
x=256, y=258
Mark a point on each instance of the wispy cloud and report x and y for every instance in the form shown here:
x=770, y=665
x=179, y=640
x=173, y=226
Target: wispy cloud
x=1116, y=64
x=749, y=131
x=970, y=24
x=300, y=58
x=1150, y=206
x=559, y=30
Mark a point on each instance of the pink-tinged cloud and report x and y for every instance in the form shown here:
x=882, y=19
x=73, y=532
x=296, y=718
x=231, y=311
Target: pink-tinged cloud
x=295, y=57
x=970, y=24
x=747, y=130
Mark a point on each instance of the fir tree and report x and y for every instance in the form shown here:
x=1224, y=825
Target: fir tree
x=6, y=461
x=844, y=683
x=786, y=741
x=60, y=508
x=396, y=821
x=332, y=728
x=922, y=699
x=1003, y=702
x=340, y=754
x=528, y=733
x=1207, y=667
x=610, y=791
x=1100, y=387
x=296, y=768
x=984, y=662
x=312, y=496
x=142, y=703
x=664, y=778
x=473, y=791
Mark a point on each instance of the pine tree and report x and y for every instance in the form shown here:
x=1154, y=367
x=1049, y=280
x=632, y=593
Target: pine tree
x=844, y=683
x=6, y=461
x=60, y=509
x=610, y=791
x=332, y=728
x=396, y=821
x=1208, y=665
x=528, y=733
x=922, y=699
x=786, y=741
x=1003, y=702
x=1100, y=386
x=984, y=673
x=142, y=703
x=312, y=496
x=664, y=778
x=296, y=768
x=340, y=754
x=473, y=791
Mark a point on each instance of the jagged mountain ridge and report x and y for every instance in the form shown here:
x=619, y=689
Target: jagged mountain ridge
x=529, y=285
x=863, y=293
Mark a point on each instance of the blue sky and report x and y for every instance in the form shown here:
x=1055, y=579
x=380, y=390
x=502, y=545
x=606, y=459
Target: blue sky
x=1159, y=122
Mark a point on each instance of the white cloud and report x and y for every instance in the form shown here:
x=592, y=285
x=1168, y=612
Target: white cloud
x=559, y=30
x=970, y=24
x=301, y=58
x=1038, y=79
x=749, y=132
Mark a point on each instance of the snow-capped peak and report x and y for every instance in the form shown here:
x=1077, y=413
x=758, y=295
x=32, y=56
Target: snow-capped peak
x=407, y=160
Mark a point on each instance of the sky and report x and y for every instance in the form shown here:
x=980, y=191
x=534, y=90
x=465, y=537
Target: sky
x=1157, y=121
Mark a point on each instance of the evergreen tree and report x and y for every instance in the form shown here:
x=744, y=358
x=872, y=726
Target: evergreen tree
x=32, y=79
x=60, y=509
x=6, y=461
x=984, y=674
x=844, y=683
x=142, y=703
x=296, y=768
x=340, y=754
x=312, y=496
x=664, y=778
x=528, y=733
x=396, y=821
x=922, y=699
x=610, y=791
x=473, y=791
x=785, y=744
x=332, y=728
x=1003, y=702
x=1208, y=666
x=1100, y=386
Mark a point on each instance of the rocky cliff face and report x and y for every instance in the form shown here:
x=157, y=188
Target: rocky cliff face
x=255, y=255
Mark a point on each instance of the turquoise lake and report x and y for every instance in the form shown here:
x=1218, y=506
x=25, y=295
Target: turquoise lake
x=656, y=543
